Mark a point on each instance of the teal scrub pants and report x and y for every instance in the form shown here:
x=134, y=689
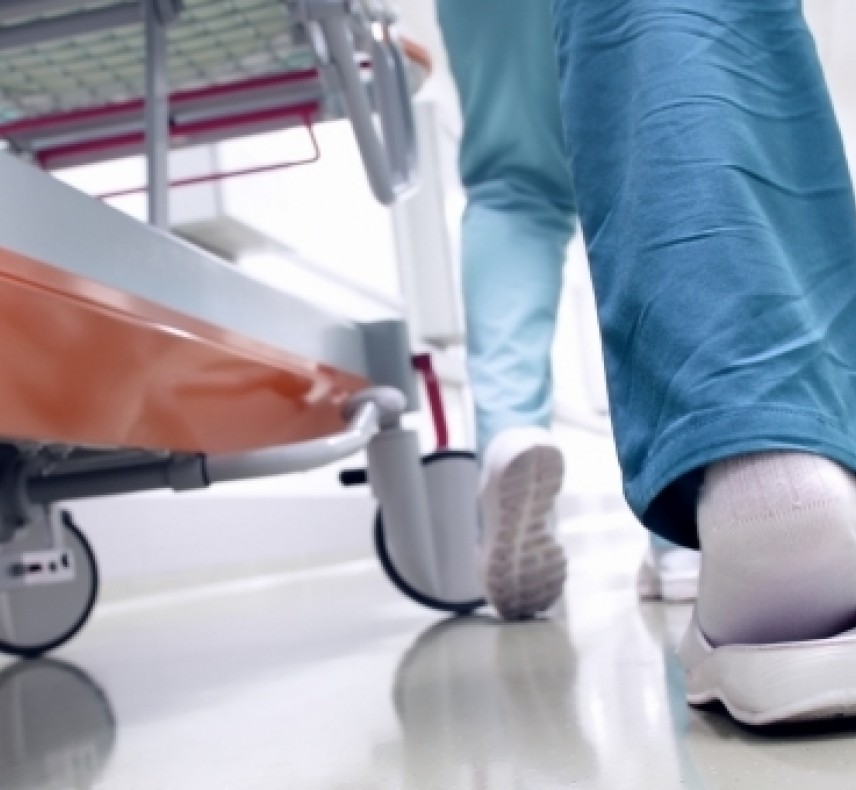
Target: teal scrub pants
x=713, y=192
x=520, y=207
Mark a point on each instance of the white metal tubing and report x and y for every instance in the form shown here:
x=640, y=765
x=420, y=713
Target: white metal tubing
x=388, y=181
x=298, y=457
x=394, y=105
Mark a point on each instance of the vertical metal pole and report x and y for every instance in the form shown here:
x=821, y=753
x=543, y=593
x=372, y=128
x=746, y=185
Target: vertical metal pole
x=157, y=116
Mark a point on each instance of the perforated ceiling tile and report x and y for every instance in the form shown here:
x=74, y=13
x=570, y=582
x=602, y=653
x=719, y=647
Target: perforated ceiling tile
x=215, y=41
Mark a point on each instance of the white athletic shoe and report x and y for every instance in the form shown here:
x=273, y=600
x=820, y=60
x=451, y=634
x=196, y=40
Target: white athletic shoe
x=670, y=575
x=774, y=683
x=523, y=564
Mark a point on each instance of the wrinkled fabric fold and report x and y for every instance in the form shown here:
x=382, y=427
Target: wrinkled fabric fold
x=718, y=211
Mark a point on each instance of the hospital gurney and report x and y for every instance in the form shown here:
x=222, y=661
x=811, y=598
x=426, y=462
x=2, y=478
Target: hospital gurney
x=132, y=361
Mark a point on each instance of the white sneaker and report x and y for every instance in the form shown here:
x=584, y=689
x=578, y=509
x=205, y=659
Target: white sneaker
x=670, y=575
x=773, y=683
x=523, y=564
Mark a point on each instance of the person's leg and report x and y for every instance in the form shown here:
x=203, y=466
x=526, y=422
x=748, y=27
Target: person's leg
x=719, y=217
x=516, y=229
x=520, y=212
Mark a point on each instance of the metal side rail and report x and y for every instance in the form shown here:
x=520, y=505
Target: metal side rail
x=369, y=413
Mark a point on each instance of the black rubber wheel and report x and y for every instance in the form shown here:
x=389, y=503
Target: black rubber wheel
x=61, y=609
x=460, y=608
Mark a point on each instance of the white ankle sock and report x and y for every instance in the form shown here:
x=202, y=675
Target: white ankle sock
x=778, y=536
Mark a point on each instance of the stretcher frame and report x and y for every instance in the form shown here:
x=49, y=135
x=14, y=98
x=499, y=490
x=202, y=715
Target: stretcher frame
x=339, y=388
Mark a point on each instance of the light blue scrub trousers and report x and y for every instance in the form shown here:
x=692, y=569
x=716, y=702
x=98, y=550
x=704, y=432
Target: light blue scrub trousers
x=520, y=207
x=711, y=184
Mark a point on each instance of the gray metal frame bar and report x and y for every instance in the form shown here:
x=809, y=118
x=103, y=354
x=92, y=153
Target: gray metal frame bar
x=68, y=25
x=390, y=161
x=15, y=8
x=110, y=482
x=157, y=116
x=395, y=108
x=370, y=412
x=390, y=178
x=169, y=10
x=298, y=457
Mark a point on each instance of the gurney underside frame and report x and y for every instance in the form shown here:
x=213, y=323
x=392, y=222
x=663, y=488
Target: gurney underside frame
x=83, y=270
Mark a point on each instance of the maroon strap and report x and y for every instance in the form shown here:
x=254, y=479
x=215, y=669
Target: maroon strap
x=423, y=364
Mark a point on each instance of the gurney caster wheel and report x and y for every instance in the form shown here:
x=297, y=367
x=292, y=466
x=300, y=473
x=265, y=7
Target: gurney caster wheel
x=461, y=608
x=38, y=618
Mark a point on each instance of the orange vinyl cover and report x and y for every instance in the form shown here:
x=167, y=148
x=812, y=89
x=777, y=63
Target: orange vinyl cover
x=86, y=365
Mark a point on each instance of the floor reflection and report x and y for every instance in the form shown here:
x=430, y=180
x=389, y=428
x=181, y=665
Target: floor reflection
x=716, y=753
x=348, y=690
x=484, y=705
x=57, y=728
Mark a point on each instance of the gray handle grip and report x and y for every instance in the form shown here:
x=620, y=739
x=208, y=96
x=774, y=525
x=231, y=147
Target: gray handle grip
x=390, y=157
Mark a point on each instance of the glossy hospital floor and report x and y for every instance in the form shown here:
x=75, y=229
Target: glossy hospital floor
x=330, y=680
